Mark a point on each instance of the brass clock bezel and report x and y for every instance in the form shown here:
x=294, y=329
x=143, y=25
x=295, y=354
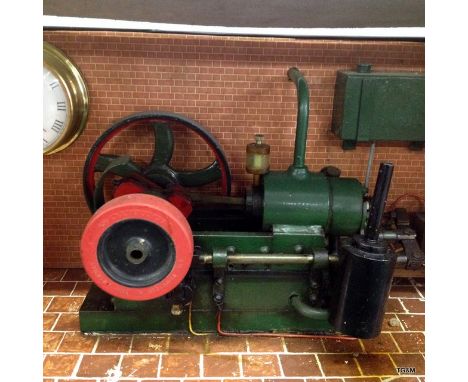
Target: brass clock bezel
x=74, y=86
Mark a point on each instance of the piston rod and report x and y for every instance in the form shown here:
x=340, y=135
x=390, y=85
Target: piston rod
x=254, y=258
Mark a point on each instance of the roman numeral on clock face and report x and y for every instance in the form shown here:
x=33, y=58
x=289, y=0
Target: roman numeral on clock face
x=61, y=106
x=54, y=84
x=57, y=126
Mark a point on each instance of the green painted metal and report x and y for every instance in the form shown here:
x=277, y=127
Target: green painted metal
x=333, y=203
x=255, y=301
x=302, y=119
x=259, y=242
x=300, y=210
x=372, y=106
x=307, y=310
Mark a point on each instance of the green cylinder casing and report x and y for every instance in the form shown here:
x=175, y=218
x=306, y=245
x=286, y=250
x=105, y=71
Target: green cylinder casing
x=336, y=204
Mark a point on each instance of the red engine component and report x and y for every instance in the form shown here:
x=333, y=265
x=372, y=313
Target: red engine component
x=128, y=231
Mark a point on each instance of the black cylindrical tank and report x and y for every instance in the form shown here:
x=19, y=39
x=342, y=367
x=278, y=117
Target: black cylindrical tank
x=362, y=288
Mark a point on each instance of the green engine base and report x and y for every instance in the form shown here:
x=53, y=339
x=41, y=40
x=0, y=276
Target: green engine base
x=254, y=302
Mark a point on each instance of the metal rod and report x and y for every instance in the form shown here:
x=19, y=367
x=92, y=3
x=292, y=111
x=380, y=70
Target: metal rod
x=302, y=117
x=379, y=199
x=201, y=198
x=369, y=165
x=254, y=258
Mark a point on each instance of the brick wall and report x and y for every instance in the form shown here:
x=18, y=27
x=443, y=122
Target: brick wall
x=235, y=87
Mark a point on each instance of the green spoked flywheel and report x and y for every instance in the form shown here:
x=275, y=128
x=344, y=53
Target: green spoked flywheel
x=158, y=172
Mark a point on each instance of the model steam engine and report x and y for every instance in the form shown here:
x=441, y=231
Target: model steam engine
x=301, y=252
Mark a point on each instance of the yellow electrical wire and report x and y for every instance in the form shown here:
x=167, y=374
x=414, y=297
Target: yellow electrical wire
x=190, y=323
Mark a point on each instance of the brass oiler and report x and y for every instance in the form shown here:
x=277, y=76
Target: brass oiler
x=257, y=158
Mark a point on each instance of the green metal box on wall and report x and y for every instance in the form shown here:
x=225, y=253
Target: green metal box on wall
x=370, y=106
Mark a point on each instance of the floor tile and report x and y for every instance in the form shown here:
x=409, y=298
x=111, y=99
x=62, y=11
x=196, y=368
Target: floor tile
x=381, y=344
x=218, y=344
x=410, y=360
x=98, y=365
x=143, y=366
x=113, y=344
x=221, y=366
x=76, y=342
x=260, y=365
x=48, y=320
x=341, y=346
x=376, y=364
x=188, y=344
x=50, y=341
x=58, y=288
x=65, y=304
x=338, y=364
x=265, y=344
x=412, y=322
x=68, y=322
x=53, y=274
x=180, y=365
x=76, y=274
x=299, y=365
x=414, y=305
x=403, y=291
x=149, y=344
x=59, y=365
x=304, y=345
x=410, y=342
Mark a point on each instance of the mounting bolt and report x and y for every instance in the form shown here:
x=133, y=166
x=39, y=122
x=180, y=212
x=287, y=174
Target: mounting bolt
x=298, y=248
x=176, y=310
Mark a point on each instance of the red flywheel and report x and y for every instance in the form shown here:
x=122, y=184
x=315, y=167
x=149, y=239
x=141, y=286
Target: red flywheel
x=137, y=247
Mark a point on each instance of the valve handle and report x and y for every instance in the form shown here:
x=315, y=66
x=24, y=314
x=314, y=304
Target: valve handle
x=379, y=199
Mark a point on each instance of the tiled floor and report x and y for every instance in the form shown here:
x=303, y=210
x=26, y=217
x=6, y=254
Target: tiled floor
x=71, y=356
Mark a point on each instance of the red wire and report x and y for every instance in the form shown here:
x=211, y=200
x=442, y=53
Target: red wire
x=287, y=335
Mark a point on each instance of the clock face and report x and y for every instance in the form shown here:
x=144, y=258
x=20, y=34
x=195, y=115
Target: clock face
x=65, y=100
x=56, y=114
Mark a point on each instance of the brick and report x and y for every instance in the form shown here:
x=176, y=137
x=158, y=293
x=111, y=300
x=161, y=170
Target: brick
x=45, y=302
x=77, y=342
x=300, y=365
x=188, y=344
x=414, y=305
x=180, y=365
x=54, y=288
x=59, y=365
x=265, y=344
x=68, y=322
x=304, y=345
x=376, y=364
x=260, y=366
x=221, y=366
x=410, y=342
x=113, y=344
x=144, y=366
x=219, y=344
x=97, y=365
x=394, y=306
x=50, y=341
x=341, y=346
x=410, y=360
x=48, y=320
x=149, y=344
x=65, y=304
x=412, y=322
x=53, y=274
x=406, y=291
x=82, y=288
x=338, y=364
x=381, y=344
